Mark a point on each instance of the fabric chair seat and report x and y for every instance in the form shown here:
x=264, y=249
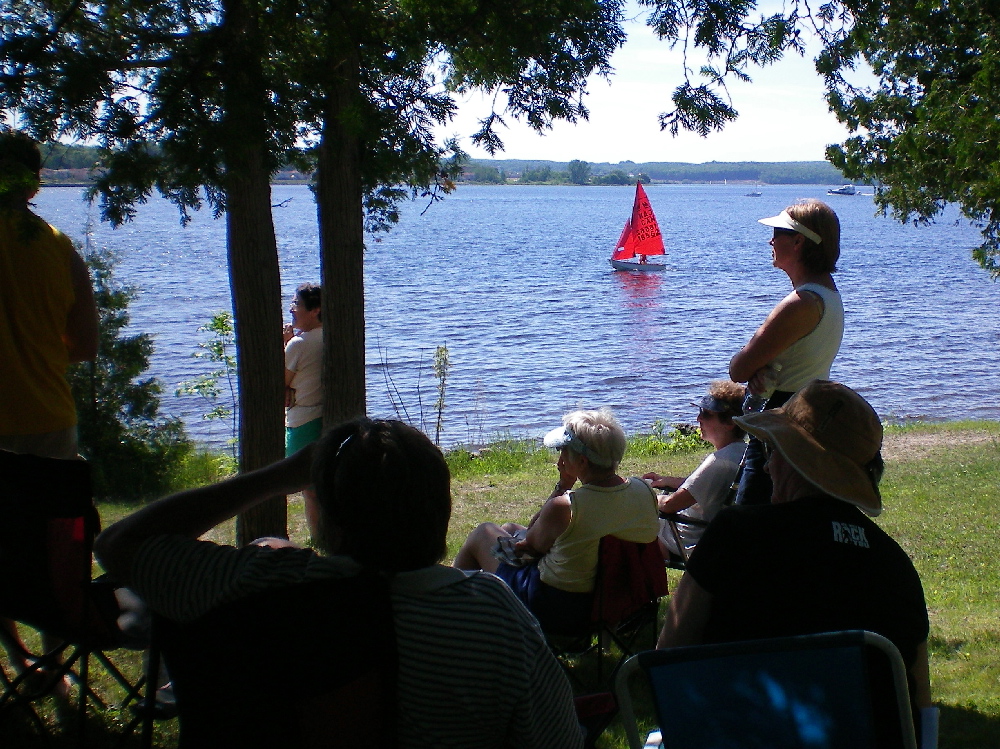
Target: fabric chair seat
x=309, y=665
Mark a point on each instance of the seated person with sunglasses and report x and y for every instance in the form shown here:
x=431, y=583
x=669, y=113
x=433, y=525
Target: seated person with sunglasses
x=811, y=560
x=554, y=562
x=702, y=494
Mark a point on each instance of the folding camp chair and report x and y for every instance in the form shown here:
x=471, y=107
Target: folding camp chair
x=308, y=665
x=47, y=525
x=673, y=520
x=630, y=582
x=825, y=691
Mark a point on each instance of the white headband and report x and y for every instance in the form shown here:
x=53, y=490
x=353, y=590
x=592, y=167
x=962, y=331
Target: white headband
x=784, y=221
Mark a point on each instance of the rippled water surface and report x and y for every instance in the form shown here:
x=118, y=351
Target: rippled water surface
x=515, y=282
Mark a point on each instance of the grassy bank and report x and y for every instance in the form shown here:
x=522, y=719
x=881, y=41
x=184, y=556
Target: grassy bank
x=942, y=503
x=942, y=498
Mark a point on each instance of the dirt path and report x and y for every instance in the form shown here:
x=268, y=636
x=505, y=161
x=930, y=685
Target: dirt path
x=915, y=445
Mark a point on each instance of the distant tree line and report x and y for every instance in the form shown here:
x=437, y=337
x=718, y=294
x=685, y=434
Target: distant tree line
x=58, y=156
x=580, y=172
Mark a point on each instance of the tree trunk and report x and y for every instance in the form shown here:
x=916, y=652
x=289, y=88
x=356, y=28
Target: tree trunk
x=339, y=197
x=253, y=264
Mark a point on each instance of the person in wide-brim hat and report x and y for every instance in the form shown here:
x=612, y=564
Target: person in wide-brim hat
x=831, y=437
x=810, y=560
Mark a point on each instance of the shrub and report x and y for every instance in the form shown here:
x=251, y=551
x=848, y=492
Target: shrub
x=133, y=451
x=679, y=438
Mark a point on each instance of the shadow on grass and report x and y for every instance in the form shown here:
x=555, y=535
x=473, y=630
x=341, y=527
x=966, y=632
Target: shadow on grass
x=967, y=728
x=103, y=730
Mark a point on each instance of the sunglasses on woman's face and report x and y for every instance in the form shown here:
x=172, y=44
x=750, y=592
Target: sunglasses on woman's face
x=784, y=232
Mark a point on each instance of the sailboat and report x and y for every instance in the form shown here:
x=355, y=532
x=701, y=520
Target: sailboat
x=640, y=238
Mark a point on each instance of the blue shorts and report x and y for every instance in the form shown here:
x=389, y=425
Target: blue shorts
x=557, y=611
x=298, y=437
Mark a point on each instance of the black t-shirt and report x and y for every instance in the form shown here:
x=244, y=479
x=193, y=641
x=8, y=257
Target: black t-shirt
x=812, y=565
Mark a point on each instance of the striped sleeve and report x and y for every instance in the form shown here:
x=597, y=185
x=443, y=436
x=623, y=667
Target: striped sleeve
x=182, y=578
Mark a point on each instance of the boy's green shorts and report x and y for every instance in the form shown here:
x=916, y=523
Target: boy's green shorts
x=298, y=437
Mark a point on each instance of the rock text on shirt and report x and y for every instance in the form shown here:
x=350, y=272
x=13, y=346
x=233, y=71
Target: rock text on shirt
x=845, y=533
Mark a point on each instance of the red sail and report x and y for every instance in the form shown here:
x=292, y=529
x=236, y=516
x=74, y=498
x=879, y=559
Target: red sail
x=641, y=235
x=625, y=248
x=646, y=237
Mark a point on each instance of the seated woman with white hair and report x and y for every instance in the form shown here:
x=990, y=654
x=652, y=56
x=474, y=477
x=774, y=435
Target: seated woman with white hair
x=554, y=562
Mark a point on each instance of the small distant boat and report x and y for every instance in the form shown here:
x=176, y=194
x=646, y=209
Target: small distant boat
x=754, y=194
x=640, y=238
x=844, y=190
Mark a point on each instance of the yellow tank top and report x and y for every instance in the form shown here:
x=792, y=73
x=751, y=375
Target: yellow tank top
x=36, y=293
x=627, y=511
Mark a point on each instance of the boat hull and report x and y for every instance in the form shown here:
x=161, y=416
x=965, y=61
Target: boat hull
x=644, y=267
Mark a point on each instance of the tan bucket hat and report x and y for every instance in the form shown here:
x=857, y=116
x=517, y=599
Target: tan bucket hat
x=831, y=436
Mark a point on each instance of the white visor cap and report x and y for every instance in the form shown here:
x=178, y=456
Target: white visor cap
x=784, y=221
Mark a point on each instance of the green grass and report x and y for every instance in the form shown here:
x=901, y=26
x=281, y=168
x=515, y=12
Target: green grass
x=942, y=503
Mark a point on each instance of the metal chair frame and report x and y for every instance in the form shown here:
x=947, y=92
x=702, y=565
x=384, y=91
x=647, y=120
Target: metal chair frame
x=860, y=668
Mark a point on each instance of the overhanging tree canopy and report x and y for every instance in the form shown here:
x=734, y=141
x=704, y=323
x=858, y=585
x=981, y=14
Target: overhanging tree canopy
x=199, y=99
x=929, y=131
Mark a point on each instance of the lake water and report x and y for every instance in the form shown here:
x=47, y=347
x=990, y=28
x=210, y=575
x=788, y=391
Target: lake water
x=515, y=282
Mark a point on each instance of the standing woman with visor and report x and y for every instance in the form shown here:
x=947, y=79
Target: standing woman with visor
x=801, y=336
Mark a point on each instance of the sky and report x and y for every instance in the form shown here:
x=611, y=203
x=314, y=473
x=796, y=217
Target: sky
x=783, y=116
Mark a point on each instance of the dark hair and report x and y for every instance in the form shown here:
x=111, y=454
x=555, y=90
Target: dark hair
x=20, y=164
x=311, y=295
x=384, y=495
x=731, y=395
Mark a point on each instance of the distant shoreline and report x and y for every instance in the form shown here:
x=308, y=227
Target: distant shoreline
x=514, y=183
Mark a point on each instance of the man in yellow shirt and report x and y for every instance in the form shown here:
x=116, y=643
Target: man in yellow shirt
x=48, y=319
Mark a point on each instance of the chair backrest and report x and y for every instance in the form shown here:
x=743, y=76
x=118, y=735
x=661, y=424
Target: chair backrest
x=309, y=665
x=47, y=527
x=629, y=576
x=824, y=691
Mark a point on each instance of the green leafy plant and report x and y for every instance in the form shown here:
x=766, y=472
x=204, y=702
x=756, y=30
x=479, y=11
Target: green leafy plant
x=664, y=440
x=442, y=363
x=220, y=350
x=133, y=451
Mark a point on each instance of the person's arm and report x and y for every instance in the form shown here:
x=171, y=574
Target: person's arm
x=795, y=317
x=553, y=518
x=191, y=513
x=81, y=333
x=676, y=501
x=550, y=523
x=687, y=615
x=663, y=482
x=920, y=672
x=291, y=360
x=289, y=390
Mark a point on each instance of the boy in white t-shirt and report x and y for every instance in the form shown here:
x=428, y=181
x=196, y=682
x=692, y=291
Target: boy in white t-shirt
x=702, y=494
